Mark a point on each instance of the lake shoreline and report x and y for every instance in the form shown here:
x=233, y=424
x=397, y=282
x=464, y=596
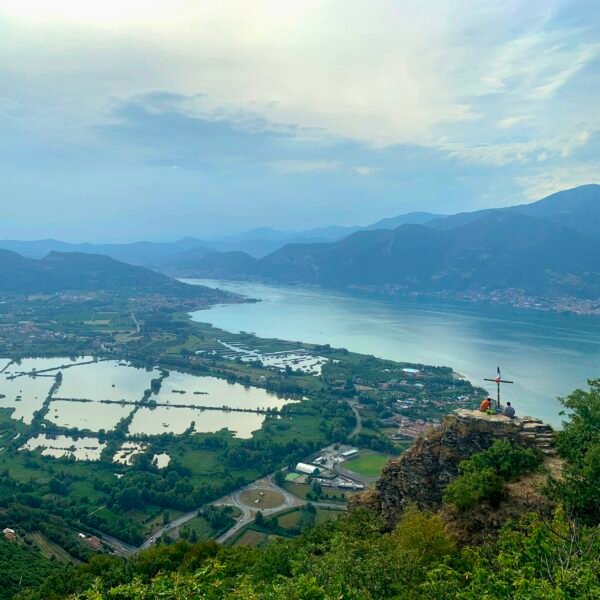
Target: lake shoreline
x=509, y=298
x=547, y=354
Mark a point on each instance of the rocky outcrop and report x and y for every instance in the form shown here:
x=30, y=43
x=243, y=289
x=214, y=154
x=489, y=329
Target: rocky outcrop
x=422, y=473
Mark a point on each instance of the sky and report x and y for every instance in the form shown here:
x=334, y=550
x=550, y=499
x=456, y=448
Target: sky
x=147, y=119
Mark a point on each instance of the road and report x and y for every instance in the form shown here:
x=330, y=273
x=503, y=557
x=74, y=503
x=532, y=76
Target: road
x=119, y=547
x=358, y=428
x=137, y=325
x=248, y=513
x=234, y=499
x=10, y=362
x=178, y=522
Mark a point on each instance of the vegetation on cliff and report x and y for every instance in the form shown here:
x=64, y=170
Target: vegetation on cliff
x=482, y=476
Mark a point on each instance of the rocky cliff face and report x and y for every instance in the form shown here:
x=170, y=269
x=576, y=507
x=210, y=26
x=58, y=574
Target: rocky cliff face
x=422, y=473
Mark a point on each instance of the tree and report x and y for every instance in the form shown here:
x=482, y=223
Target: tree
x=279, y=478
x=129, y=498
x=579, y=444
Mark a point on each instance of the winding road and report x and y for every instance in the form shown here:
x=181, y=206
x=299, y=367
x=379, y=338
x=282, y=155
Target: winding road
x=248, y=515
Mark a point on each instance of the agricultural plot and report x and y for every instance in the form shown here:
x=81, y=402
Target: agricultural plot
x=256, y=539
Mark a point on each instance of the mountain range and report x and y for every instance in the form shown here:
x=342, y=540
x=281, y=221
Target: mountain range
x=73, y=271
x=548, y=248
x=256, y=242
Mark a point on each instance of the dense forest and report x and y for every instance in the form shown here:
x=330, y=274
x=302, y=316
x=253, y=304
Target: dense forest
x=536, y=555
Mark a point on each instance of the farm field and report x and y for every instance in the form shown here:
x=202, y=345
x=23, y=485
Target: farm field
x=292, y=519
x=327, y=494
x=256, y=539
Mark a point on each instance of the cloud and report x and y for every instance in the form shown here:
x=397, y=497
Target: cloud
x=385, y=73
x=569, y=63
x=548, y=181
x=437, y=105
x=508, y=122
x=365, y=171
x=519, y=152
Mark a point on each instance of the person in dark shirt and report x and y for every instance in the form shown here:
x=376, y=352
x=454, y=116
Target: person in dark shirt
x=509, y=411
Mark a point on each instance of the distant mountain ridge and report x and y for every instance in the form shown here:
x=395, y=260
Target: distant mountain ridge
x=577, y=208
x=256, y=242
x=526, y=248
x=548, y=248
x=59, y=272
x=135, y=253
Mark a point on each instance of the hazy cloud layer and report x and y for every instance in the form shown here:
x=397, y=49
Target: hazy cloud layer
x=158, y=119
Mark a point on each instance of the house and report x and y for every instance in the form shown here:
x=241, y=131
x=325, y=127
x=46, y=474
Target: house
x=307, y=469
x=9, y=534
x=94, y=543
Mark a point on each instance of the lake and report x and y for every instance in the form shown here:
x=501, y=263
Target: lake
x=546, y=354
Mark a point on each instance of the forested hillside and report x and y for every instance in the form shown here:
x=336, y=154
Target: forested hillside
x=499, y=251
x=551, y=551
x=72, y=271
x=547, y=249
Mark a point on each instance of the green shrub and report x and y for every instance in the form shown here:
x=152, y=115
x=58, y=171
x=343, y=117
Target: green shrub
x=483, y=475
x=473, y=487
x=508, y=461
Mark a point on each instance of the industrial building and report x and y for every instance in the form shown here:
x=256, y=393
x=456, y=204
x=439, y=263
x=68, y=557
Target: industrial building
x=307, y=469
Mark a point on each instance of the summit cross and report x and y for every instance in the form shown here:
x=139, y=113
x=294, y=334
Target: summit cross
x=498, y=380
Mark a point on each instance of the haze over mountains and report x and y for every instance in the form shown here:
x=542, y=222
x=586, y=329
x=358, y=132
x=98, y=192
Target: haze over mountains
x=256, y=242
x=548, y=248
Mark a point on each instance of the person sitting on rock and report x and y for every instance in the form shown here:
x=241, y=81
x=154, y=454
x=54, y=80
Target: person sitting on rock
x=509, y=411
x=485, y=405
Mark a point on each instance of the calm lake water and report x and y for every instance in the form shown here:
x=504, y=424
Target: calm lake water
x=547, y=355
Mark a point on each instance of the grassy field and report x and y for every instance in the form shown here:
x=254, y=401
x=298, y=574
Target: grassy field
x=289, y=520
x=329, y=494
x=326, y=514
x=262, y=498
x=255, y=539
x=200, y=525
x=368, y=464
x=50, y=549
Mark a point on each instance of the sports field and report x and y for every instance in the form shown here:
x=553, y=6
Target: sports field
x=368, y=464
